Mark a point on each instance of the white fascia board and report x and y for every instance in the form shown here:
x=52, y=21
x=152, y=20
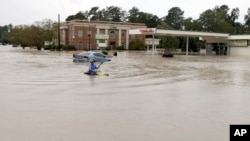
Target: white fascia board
x=189, y=33
x=239, y=37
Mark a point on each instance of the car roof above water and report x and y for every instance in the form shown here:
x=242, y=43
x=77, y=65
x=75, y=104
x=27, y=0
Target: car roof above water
x=89, y=52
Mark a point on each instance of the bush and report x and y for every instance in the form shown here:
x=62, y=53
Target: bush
x=47, y=47
x=108, y=48
x=68, y=47
x=105, y=52
x=120, y=48
x=137, y=45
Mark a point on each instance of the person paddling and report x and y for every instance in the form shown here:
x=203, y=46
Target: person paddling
x=93, y=68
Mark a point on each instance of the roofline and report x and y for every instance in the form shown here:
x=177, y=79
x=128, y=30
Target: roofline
x=190, y=33
x=239, y=37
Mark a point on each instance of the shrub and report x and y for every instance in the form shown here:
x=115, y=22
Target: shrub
x=68, y=47
x=108, y=48
x=137, y=45
x=120, y=48
x=105, y=52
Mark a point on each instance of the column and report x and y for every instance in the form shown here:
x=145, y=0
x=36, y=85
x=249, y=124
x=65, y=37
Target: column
x=119, y=37
x=187, y=46
x=97, y=41
x=127, y=39
x=106, y=33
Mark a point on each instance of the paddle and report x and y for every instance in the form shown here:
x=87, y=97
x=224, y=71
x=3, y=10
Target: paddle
x=99, y=65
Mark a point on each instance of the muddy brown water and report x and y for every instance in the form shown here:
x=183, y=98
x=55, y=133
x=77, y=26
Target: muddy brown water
x=44, y=96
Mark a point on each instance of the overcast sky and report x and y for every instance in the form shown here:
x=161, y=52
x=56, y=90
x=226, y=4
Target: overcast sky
x=19, y=12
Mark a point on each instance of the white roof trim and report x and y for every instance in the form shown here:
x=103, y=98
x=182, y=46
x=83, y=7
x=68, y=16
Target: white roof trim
x=239, y=37
x=180, y=33
x=190, y=33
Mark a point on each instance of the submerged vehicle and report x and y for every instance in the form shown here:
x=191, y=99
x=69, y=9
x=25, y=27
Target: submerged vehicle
x=98, y=56
x=167, y=54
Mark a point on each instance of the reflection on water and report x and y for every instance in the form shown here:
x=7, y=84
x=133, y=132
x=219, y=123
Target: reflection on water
x=45, y=96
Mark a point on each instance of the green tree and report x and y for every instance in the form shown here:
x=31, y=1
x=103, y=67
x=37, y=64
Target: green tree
x=94, y=13
x=175, y=18
x=4, y=33
x=233, y=16
x=216, y=20
x=79, y=16
x=133, y=15
x=136, y=16
x=169, y=42
x=70, y=17
x=165, y=26
x=33, y=35
x=111, y=13
x=247, y=22
x=115, y=14
x=247, y=18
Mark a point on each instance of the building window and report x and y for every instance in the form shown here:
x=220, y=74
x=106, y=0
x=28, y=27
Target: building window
x=80, y=45
x=123, y=33
x=89, y=46
x=80, y=33
x=112, y=33
x=102, y=31
x=89, y=33
x=101, y=40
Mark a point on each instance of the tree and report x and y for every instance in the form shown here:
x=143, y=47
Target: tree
x=164, y=25
x=33, y=35
x=169, y=42
x=247, y=22
x=189, y=24
x=94, y=13
x=247, y=18
x=175, y=18
x=112, y=13
x=70, y=17
x=115, y=14
x=233, y=16
x=80, y=16
x=133, y=15
x=5, y=33
x=136, y=16
x=216, y=20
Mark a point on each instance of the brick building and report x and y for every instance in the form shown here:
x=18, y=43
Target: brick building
x=91, y=35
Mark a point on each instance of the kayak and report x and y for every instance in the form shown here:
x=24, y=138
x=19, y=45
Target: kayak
x=99, y=73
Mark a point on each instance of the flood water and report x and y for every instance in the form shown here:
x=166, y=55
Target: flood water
x=44, y=96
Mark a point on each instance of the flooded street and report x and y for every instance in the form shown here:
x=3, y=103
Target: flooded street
x=44, y=96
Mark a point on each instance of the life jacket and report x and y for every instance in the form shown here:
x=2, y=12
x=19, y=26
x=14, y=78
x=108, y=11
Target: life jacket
x=92, y=67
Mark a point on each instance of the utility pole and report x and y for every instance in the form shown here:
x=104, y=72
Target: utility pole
x=89, y=35
x=59, y=47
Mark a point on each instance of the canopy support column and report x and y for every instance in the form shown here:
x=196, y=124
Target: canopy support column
x=153, y=45
x=187, y=46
